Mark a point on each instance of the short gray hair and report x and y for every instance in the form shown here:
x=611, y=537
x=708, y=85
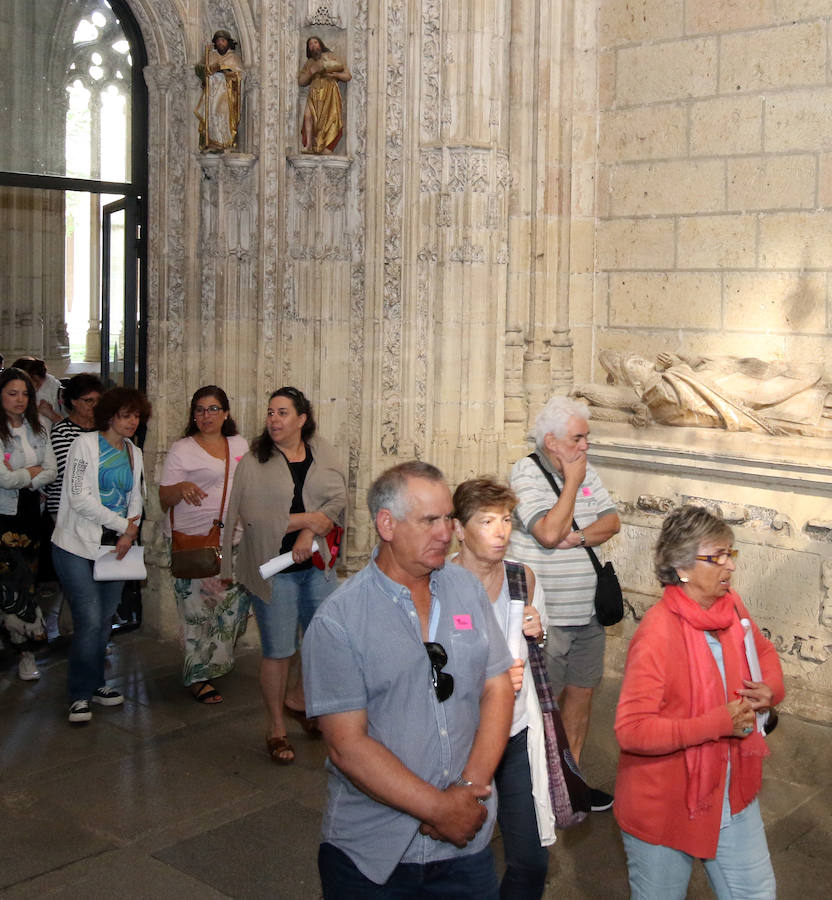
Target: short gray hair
x=554, y=418
x=389, y=490
x=684, y=530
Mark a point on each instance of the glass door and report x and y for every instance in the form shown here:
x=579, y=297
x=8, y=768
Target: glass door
x=121, y=326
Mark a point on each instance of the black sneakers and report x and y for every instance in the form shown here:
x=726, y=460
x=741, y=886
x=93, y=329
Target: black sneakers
x=108, y=696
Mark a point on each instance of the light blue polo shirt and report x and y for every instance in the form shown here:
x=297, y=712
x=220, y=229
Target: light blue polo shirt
x=364, y=650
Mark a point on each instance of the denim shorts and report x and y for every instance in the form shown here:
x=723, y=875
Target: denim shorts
x=295, y=597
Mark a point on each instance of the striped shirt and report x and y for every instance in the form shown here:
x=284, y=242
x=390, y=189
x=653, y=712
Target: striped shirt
x=61, y=436
x=567, y=576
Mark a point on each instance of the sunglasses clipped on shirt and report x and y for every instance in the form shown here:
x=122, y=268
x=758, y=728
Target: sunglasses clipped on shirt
x=443, y=682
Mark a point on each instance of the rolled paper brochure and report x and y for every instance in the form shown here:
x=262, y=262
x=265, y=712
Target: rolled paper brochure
x=279, y=563
x=753, y=667
x=514, y=637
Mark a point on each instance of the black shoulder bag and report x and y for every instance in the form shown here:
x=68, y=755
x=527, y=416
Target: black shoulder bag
x=609, y=602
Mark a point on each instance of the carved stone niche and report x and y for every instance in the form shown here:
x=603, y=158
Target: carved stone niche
x=318, y=208
x=775, y=492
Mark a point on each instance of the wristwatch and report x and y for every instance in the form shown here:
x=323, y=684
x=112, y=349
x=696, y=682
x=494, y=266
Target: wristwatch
x=583, y=538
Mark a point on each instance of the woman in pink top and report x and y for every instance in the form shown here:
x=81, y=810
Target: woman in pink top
x=690, y=724
x=213, y=611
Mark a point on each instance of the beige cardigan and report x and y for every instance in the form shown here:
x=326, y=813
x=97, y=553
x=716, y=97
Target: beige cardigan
x=261, y=497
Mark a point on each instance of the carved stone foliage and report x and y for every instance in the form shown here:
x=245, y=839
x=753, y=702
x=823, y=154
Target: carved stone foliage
x=396, y=26
x=430, y=170
x=431, y=67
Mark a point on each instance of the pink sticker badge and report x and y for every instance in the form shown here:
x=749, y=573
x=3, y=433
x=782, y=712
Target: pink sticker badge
x=587, y=492
x=463, y=623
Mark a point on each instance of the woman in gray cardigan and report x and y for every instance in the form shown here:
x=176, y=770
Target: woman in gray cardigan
x=288, y=490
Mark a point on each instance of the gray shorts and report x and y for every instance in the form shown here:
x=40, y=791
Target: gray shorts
x=575, y=655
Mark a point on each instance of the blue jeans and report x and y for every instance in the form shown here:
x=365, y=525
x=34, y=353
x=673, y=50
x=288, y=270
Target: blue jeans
x=93, y=604
x=526, y=861
x=461, y=878
x=741, y=870
x=295, y=597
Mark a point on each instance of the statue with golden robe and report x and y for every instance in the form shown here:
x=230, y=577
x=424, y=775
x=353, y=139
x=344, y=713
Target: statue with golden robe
x=219, y=108
x=323, y=122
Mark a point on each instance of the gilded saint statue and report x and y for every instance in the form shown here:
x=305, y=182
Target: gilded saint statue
x=218, y=110
x=726, y=392
x=323, y=122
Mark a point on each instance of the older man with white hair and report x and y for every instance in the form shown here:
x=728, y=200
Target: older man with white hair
x=544, y=538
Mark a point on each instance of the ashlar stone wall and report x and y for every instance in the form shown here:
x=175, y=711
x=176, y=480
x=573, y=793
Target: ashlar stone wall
x=711, y=236
x=714, y=179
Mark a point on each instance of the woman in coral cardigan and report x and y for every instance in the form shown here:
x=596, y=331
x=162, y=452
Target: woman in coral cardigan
x=690, y=722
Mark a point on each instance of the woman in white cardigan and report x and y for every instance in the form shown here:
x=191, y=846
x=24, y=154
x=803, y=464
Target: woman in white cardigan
x=482, y=524
x=28, y=465
x=101, y=503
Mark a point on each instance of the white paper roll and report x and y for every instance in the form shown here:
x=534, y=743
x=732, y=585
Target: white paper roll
x=753, y=667
x=515, y=637
x=279, y=563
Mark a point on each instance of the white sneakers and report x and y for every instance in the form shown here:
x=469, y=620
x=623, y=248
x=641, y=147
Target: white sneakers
x=27, y=669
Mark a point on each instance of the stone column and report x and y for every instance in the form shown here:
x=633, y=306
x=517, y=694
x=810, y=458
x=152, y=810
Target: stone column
x=228, y=250
x=537, y=324
x=445, y=236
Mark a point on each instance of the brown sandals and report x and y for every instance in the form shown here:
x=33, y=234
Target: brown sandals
x=277, y=746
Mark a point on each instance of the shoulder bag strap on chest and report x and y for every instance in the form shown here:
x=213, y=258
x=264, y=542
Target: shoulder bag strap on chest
x=516, y=577
x=550, y=478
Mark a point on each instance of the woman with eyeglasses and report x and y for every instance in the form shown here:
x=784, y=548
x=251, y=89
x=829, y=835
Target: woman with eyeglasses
x=289, y=490
x=691, y=721
x=213, y=611
x=28, y=465
x=482, y=524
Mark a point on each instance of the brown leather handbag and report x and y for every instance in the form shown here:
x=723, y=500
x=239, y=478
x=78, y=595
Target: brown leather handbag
x=199, y=555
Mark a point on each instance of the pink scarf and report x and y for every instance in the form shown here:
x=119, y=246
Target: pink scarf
x=705, y=763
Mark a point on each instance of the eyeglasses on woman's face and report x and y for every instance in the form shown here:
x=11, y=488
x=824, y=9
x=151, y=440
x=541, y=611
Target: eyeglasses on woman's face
x=443, y=682
x=211, y=410
x=718, y=559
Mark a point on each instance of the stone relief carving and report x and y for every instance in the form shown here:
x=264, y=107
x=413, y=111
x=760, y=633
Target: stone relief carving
x=325, y=12
x=478, y=170
x=468, y=252
x=729, y=393
x=492, y=213
x=358, y=114
x=457, y=169
x=430, y=170
x=443, y=211
x=431, y=66
x=391, y=331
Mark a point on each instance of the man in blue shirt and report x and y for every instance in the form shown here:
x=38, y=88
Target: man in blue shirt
x=406, y=668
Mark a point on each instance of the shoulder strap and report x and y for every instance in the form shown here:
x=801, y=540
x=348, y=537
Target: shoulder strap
x=550, y=478
x=516, y=577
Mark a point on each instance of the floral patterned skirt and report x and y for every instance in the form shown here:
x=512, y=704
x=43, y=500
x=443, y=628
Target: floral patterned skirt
x=20, y=614
x=212, y=616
